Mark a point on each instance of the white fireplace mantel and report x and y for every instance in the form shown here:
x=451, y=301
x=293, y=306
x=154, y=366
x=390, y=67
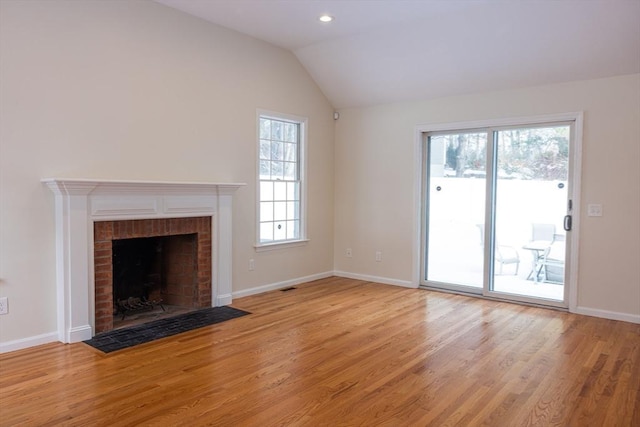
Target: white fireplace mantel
x=81, y=202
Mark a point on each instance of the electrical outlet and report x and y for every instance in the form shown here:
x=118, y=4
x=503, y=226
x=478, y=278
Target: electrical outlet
x=4, y=305
x=252, y=264
x=378, y=256
x=349, y=253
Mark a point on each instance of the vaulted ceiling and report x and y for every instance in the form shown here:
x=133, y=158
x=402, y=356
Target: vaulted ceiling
x=384, y=51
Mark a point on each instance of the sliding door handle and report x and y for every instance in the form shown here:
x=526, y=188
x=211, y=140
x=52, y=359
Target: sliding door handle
x=567, y=223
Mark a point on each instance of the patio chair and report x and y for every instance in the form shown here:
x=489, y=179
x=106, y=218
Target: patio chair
x=543, y=232
x=542, y=238
x=503, y=254
x=507, y=255
x=552, y=261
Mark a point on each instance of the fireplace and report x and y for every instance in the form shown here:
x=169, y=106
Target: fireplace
x=143, y=264
x=91, y=214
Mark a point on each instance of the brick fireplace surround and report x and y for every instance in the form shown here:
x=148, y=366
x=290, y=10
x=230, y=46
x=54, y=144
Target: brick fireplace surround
x=105, y=232
x=82, y=203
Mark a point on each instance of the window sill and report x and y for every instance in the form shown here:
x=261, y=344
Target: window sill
x=261, y=247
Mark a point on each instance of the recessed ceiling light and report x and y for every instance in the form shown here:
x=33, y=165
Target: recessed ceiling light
x=325, y=18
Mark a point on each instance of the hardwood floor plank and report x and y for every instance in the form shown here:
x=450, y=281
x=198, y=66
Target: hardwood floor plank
x=343, y=352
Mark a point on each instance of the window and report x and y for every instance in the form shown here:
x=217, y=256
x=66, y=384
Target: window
x=281, y=175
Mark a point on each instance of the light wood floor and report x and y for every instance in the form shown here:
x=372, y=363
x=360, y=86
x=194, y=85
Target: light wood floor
x=342, y=352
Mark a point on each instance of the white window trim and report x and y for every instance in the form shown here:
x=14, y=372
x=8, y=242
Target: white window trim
x=303, y=239
x=263, y=247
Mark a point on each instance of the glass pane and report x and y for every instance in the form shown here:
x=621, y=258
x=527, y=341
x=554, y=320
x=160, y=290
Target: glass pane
x=280, y=211
x=293, y=228
x=277, y=151
x=280, y=191
x=265, y=128
x=293, y=210
x=266, y=232
x=266, y=191
x=456, y=203
x=291, y=132
x=266, y=211
x=265, y=149
x=290, y=152
x=280, y=230
x=277, y=130
x=290, y=171
x=531, y=201
x=277, y=170
x=293, y=191
x=265, y=169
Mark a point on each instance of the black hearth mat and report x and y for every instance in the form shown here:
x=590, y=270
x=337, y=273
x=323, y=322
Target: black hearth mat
x=139, y=334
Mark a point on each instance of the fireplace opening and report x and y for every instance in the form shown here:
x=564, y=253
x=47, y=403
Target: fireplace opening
x=154, y=277
x=150, y=269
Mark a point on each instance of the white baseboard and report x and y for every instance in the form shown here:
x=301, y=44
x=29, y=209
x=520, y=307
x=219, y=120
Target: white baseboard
x=80, y=333
x=384, y=280
x=280, y=285
x=223, y=300
x=23, y=343
x=612, y=315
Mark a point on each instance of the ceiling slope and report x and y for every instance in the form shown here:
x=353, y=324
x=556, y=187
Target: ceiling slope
x=386, y=51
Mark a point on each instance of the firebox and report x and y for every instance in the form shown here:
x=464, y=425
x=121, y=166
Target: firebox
x=150, y=272
x=147, y=264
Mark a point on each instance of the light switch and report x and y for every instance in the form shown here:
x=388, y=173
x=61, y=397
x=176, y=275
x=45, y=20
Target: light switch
x=594, y=210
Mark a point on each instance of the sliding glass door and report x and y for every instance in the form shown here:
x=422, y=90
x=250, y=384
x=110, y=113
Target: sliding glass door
x=531, y=201
x=497, y=211
x=456, y=172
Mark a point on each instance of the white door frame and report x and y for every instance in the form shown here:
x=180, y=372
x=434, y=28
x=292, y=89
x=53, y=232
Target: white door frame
x=575, y=175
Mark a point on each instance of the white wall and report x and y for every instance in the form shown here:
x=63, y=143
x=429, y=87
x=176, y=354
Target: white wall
x=135, y=90
x=375, y=168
